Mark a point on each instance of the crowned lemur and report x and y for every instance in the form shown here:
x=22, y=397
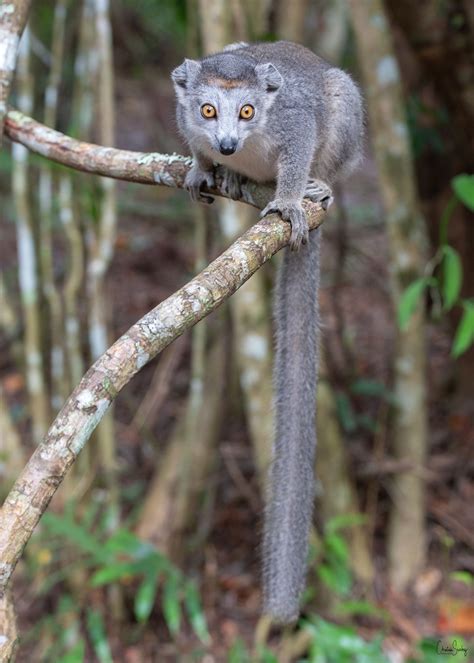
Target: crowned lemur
x=278, y=113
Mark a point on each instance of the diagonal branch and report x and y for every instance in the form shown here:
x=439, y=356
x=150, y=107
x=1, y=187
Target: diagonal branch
x=88, y=403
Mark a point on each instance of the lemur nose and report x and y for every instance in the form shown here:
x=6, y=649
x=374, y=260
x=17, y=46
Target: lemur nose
x=227, y=146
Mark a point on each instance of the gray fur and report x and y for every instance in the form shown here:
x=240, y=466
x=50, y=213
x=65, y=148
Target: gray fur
x=236, y=45
x=306, y=132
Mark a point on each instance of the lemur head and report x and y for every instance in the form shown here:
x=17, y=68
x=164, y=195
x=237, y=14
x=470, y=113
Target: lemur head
x=225, y=99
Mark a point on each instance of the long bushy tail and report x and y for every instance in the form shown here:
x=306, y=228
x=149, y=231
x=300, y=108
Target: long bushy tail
x=291, y=490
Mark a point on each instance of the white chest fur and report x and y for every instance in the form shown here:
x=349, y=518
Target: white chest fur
x=257, y=159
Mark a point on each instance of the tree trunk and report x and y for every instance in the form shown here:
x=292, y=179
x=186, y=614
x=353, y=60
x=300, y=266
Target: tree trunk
x=27, y=259
x=407, y=245
x=437, y=63
x=13, y=17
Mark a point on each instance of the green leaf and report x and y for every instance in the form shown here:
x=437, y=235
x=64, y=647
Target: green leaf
x=357, y=608
x=409, y=300
x=452, y=276
x=267, y=656
x=465, y=332
x=332, y=643
x=114, y=572
x=335, y=577
x=195, y=612
x=171, y=606
x=76, y=655
x=71, y=531
x=366, y=387
x=145, y=597
x=367, y=422
x=336, y=547
x=427, y=652
x=344, y=520
x=463, y=186
x=238, y=653
x=345, y=412
x=463, y=576
x=124, y=541
x=98, y=636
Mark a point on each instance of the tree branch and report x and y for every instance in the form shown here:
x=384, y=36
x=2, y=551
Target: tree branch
x=90, y=400
x=13, y=16
x=143, y=167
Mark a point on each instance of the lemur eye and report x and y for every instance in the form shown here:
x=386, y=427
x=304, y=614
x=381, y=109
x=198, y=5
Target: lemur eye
x=247, y=112
x=208, y=111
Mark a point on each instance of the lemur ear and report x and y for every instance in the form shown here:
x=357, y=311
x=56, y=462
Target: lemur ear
x=269, y=75
x=185, y=73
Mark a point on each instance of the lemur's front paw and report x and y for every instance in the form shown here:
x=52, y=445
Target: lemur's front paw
x=319, y=192
x=232, y=183
x=294, y=213
x=195, y=179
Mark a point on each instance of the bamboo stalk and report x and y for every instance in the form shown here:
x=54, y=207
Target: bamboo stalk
x=8, y=317
x=12, y=455
x=45, y=187
x=29, y=286
x=74, y=278
x=101, y=244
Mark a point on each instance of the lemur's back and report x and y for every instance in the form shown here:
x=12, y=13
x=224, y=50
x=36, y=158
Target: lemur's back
x=292, y=60
x=328, y=92
x=312, y=87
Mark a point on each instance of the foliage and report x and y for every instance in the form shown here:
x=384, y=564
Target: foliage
x=331, y=560
x=444, y=276
x=238, y=653
x=463, y=576
x=333, y=568
x=425, y=124
x=104, y=560
x=351, y=420
x=334, y=643
x=428, y=650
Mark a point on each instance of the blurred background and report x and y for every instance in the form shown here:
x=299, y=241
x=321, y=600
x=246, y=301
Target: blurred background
x=150, y=549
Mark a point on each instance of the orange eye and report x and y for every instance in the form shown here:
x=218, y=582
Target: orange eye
x=247, y=112
x=208, y=111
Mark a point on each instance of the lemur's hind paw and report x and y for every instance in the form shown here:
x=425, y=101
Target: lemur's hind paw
x=319, y=192
x=294, y=213
x=232, y=184
x=195, y=179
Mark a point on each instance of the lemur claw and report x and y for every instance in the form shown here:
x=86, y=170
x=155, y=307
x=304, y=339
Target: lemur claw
x=319, y=192
x=294, y=213
x=195, y=179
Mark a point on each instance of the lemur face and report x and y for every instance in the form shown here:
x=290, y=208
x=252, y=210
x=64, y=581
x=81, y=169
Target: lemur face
x=223, y=111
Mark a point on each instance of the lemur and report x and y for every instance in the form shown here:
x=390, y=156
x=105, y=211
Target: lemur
x=277, y=113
